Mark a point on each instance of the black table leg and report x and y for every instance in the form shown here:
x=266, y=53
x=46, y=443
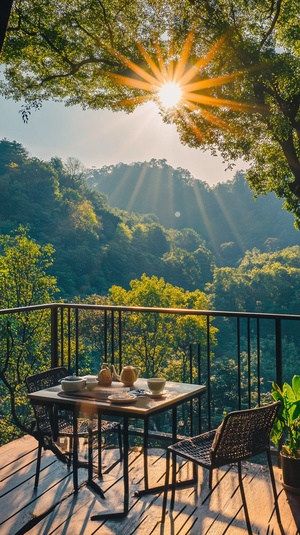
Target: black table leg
x=160, y=488
x=145, y=448
x=174, y=439
x=99, y=445
x=90, y=482
x=124, y=513
x=75, y=451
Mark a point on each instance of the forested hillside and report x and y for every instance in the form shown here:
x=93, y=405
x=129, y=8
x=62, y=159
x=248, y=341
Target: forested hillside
x=97, y=246
x=226, y=216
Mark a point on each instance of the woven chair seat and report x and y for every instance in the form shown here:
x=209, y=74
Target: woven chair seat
x=66, y=428
x=196, y=449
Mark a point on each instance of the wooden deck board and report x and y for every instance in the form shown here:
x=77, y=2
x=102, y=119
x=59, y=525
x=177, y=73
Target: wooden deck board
x=55, y=509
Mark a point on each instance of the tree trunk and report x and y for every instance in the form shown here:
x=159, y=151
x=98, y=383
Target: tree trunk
x=5, y=12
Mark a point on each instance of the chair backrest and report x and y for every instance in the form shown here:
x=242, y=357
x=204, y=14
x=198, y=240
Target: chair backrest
x=244, y=434
x=39, y=381
x=45, y=379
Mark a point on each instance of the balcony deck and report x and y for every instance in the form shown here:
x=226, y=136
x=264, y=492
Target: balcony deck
x=55, y=509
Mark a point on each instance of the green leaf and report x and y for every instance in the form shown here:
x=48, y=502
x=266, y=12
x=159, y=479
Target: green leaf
x=296, y=385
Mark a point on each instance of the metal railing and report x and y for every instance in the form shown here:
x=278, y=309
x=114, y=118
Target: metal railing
x=236, y=355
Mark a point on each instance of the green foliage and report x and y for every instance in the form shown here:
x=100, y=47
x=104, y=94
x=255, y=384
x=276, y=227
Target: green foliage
x=24, y=338
x=247, y=106
x=97, y=247
x=23, y=267
x=159, y=342
x=263, y=282
x=287, y=423
x=227, y=378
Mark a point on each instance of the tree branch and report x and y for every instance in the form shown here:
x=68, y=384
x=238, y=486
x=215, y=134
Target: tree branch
x=273, y=23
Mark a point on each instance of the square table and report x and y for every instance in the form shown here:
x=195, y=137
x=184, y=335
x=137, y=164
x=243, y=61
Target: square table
x=96, y=403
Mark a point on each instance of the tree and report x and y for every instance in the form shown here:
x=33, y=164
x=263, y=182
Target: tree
x=25, y=337
x=237, y=63
x=159, y=342
x=263, y=282
x=188, y=270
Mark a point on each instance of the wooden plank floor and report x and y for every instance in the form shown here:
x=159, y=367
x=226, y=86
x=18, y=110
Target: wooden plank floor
x=55, y=509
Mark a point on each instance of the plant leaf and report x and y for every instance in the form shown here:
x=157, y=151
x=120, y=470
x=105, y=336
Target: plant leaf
x=296, y=385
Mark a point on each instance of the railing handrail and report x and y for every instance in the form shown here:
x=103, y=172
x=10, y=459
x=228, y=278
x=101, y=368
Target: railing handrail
x=158, y=310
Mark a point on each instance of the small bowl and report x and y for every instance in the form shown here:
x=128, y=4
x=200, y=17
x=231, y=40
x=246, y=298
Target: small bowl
x=92, y=384
x=156, y=384
x=72, y=383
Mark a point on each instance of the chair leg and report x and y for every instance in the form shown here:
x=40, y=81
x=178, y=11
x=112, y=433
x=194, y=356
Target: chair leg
x=71, y=447
x=273, y=487
x=244, y=498
x=210, y=479
x=90, y=451
x=164, y=506
x=38, y=465
x=173, y=481
x=99, y=447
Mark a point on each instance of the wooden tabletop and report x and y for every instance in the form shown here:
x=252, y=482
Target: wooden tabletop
x=143, y=405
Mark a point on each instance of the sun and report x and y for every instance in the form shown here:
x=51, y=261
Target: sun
x=170, y=94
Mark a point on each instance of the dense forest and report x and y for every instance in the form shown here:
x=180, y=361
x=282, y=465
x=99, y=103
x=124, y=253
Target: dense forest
x=223, y=239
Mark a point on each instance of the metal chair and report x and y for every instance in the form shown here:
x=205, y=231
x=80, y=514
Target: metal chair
x=42, y=427
x=243, y=434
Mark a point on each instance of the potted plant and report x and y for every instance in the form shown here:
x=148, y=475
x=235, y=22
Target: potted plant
x=286, y=432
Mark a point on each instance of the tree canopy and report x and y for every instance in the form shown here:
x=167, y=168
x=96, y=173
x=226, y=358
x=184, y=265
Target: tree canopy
x=261, y=282
x=24, y=338
x=236, y=62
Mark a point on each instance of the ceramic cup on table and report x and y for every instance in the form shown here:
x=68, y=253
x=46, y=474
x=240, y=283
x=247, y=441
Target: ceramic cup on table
x=91, y=383
x=72, y=383
x=156, y=385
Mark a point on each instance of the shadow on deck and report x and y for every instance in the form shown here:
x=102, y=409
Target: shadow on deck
x=55, y=509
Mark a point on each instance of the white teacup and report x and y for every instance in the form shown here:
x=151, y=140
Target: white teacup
x=91, y=383
x=156, y=384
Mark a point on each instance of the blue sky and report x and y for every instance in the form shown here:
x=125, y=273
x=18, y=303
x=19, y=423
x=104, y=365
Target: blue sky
x=99, y=138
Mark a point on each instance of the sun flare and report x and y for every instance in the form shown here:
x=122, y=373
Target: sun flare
x=170, y=94
x=177, y=85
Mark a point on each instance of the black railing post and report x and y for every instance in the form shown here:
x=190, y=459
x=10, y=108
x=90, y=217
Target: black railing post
x=69, y=340
x=208, y=385
x=258, y=358
x=120, y=339
x=191, y=381
x=278, y=349
x=62, y=352
x=76, y=340
x=239, y=367
x=113, y=337
x=105, y=335
x=54, y=337
x=191, y=362
x=249, y=361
